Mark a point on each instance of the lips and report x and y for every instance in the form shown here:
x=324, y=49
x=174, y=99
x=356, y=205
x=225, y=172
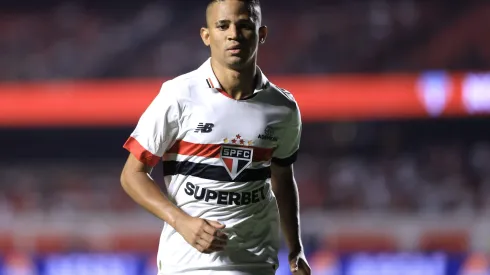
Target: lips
x=235, y=47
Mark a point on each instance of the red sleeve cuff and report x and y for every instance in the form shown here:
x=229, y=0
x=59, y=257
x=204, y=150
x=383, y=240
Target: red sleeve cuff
x=143, y=155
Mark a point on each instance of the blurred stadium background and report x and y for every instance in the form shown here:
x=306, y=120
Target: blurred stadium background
x=394, y=169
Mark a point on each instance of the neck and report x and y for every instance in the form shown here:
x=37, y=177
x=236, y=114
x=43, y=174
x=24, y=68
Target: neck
x=237, y=83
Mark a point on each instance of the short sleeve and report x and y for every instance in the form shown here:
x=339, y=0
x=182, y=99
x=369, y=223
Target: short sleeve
x=157, y=128
x=286, y=152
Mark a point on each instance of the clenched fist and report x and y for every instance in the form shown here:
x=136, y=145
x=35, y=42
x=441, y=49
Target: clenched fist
x=204, y=235
x=298, y=264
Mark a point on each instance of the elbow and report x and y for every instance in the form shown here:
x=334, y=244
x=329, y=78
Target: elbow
x=124, y=179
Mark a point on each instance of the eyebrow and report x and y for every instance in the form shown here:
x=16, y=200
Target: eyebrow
x=219, y=22
x=225, y=21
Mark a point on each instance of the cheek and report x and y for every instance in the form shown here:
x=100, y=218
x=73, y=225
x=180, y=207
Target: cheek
x=251, y=36
x=213, y=45
x=215, y=42
x=253, y=40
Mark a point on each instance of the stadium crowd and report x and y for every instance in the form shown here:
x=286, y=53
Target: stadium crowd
x=148, y=38
x=333, y=174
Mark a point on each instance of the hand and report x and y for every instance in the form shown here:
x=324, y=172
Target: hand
x=298, y=264
x=203, y=235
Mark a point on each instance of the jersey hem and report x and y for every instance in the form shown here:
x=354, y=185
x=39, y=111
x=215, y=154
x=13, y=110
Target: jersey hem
x=236, y=267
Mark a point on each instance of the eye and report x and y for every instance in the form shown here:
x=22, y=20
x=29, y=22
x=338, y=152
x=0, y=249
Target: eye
x=222, y=27
x=247, y=26
x=250, y=26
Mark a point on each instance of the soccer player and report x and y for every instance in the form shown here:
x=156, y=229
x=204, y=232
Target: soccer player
x=228, y=138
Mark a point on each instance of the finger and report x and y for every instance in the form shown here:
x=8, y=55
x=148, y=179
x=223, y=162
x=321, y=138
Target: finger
x=216, y=246
x=216, y=225
x=207, y=237
x=213, y=248
x=218, y=243
x=215, y=232
x=300, y=272
x=205, y=244
x=208, y=241
x=303, y=267
x=210, y=233
x=209, y=229
x=209, y=251
x=203, y=249
x=200, y=248
x=222, y=235
x=293, y=265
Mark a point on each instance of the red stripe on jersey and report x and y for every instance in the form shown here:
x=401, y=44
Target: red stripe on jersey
x=182, y=147
x=211, y=83
x=194, y=149
x=223, y=92
x=143, y=155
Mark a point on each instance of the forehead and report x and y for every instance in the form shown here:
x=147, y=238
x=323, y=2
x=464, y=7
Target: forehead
x=231, y=10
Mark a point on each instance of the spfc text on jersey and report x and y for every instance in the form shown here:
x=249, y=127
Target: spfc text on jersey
x=240, y=153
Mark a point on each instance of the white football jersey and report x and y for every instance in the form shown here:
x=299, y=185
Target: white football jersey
x=216, y=155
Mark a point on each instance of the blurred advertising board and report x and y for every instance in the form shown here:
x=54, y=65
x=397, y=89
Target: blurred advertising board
x=321, y=98
x=322, y=263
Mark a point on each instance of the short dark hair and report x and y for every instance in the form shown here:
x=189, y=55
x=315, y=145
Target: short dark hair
x=253, y=4
x=250, y=2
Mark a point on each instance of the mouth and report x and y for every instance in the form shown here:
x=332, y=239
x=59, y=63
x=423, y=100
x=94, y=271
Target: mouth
x=235, y=49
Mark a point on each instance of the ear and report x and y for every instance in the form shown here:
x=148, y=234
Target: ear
x=263, y=34
x=205, y=36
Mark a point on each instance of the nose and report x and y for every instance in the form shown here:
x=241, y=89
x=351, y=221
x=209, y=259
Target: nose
x=233, y=32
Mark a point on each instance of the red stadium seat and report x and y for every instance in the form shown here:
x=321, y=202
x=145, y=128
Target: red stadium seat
x=6, y=242
x=449, y=241
x=368, y=242
x=140, y=243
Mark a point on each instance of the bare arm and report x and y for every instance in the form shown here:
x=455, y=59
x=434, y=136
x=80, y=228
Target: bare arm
x=136, y=181
x=202, y=234
x=286, y=192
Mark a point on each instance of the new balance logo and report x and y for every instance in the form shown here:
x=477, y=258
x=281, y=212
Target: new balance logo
x=204, y=128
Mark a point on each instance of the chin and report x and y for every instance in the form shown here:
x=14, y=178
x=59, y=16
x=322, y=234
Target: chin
x=237, y=62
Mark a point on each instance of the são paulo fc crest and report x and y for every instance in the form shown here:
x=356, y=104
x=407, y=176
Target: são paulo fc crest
x=236, y=158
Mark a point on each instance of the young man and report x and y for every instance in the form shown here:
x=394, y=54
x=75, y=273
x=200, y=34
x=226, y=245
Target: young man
x=228, y=138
